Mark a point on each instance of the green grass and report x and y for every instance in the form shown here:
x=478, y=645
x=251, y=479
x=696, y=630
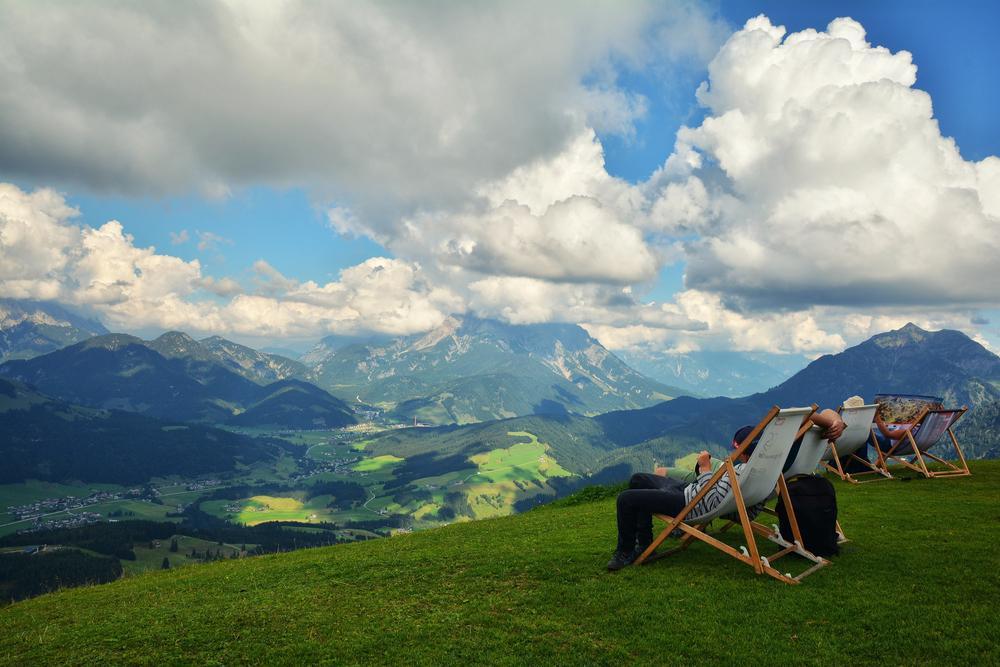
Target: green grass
x=521, y=461
x=260, y=509
x=148, y=560
x=377, y=463
x=918, y=583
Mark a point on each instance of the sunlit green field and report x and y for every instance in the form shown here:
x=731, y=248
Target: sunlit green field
x=505, y=475
x=260, y=509
x=522, y=461
x=377, y=463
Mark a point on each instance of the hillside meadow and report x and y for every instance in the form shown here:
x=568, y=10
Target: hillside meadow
x=917, y=583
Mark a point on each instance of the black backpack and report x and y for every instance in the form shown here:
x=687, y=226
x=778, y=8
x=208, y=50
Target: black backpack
x=815, y=504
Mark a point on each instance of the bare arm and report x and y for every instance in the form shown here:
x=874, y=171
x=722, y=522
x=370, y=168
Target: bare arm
x=831, y=423
x=886, y=431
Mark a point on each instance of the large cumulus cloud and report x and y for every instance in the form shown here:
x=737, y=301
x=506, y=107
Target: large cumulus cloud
x=821, y=176
x=382, y=105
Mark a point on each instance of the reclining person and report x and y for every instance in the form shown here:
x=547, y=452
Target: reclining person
x=889, y=433
x=650, y=494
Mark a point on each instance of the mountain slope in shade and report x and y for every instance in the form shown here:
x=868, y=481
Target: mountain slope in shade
x=31, y=328
x=172, y=377
x=47, y=439
x=246, y=362
x=716, y=372
x=471, y=369
x=295, y=404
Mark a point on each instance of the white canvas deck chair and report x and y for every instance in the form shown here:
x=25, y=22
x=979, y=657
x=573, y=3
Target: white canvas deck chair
x=753, y=484
x=806, y=459
x=930, y=426
x=857, y=434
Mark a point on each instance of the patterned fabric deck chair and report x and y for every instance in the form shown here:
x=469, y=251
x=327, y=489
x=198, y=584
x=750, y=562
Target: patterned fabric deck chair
x=857, y=434
x=753, y=484
x=929, y=428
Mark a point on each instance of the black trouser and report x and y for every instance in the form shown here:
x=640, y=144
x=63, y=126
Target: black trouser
x=648, y=494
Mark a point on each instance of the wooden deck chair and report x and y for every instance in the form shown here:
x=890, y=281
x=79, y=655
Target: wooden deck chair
x=754, y=483
x=857, y=434
x=930, y=426
x=804, y=460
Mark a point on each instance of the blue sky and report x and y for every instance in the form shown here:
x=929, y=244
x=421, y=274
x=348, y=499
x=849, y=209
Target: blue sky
x=229, y=206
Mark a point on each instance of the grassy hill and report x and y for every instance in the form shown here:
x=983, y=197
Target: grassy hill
x=909, y=588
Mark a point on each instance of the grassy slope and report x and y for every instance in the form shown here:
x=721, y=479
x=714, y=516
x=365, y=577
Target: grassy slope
x=910, y=587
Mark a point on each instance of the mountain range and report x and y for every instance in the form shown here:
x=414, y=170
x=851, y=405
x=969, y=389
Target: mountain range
x=609, y=446
x=176, y=377
x=471, y=369
x=715, y=372
x=432, y=389
x=31, y=328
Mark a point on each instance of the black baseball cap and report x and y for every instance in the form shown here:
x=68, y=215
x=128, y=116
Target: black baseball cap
x=741, y=435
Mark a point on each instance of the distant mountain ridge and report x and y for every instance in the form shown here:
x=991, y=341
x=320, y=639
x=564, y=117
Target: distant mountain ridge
x=716, y=372
x=175, y=377
x=908, y=360
x=259, y=367
x=30, y=328
x=471, y=369
x=48, y=439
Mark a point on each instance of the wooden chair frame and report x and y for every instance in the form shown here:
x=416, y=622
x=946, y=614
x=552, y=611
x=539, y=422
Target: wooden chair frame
x=750, y=554
x=919, y=458
x=877, y=468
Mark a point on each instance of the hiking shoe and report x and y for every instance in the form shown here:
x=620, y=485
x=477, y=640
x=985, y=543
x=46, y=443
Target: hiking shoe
x=620, y=560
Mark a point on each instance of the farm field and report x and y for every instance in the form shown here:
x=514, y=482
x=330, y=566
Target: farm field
x=261, y=509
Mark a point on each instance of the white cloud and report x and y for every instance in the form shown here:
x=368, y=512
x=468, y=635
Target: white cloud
x=831, y=181
x=210, y=240
x=179, y=238
x=563, y=219
x=34, y=242
x=385, y=106
x=43, y=255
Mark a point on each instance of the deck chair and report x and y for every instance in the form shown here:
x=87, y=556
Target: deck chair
x=804, y=459
x=857, y=434
x=755, y=483
x=930, y=426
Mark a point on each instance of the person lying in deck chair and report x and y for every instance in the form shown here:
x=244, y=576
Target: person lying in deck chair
x=889, y=433
x=643, y=480
x=650, y=494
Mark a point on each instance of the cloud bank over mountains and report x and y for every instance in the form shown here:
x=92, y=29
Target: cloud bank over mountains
x=815, y=204
x=388, y=105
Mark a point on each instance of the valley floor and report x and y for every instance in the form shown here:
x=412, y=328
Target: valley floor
x=918, y=583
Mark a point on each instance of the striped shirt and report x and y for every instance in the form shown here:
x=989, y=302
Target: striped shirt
x=714, y=496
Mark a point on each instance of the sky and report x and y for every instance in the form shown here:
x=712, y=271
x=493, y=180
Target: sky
x=673, y=176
